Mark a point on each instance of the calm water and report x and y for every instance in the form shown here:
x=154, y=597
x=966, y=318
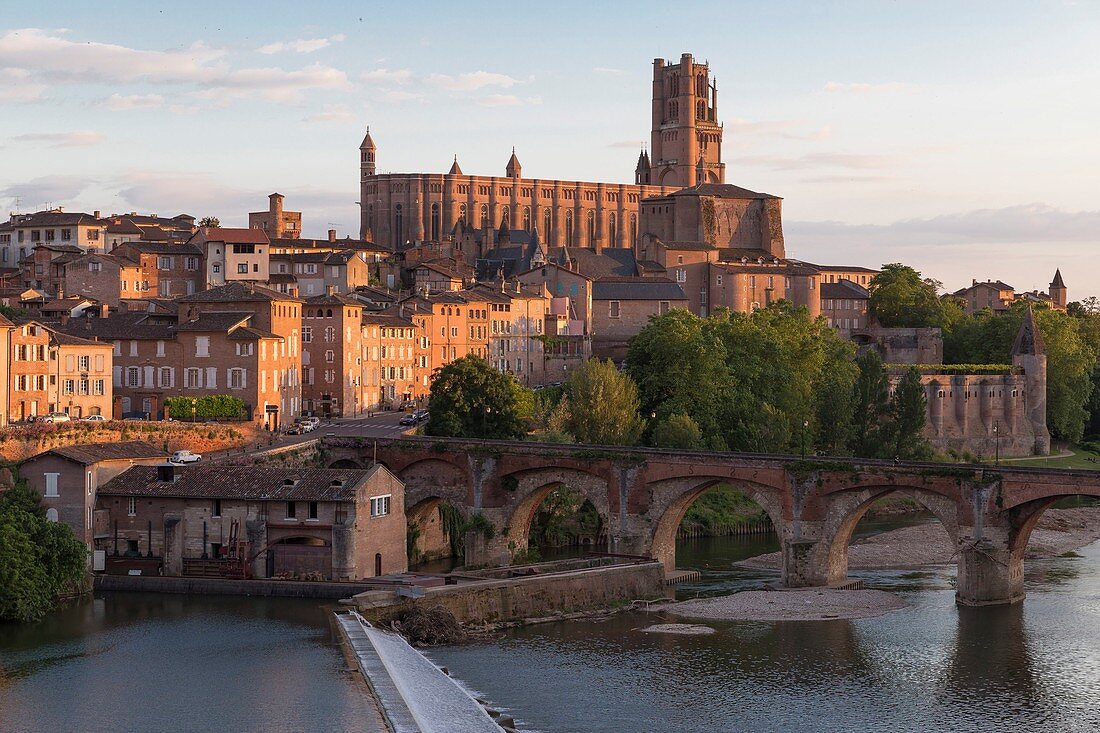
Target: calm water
x=930, y=667
x=154, y=662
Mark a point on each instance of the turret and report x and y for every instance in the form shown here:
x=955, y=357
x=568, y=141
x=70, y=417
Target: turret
x=641, y=171
x=455, y=169
x=513, y=169
x=1029, y=354
x=1057, y=291
x=367, y=152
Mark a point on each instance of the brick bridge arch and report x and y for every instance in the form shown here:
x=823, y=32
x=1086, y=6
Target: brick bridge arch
x=530, y=487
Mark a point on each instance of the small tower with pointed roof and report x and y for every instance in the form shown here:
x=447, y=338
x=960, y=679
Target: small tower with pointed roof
x=1029, y=353
x=514, y=169
x=641, y=171
x=1057, y=291
x=367, y=152
x=455, y=170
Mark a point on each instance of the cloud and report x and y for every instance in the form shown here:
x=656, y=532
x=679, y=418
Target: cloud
x=812, y=161
x=607, y=70
x=1023, y=224
x=387, y=76
x=53, y=189
x=74, y=139
x=331, y=113
x=120, y=102
x=865, y=88
x=507, y=100
x=301, y=45
x=472, y=81
x=17, y=88
x=48, y=57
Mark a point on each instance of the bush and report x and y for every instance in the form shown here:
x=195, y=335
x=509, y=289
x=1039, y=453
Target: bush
x=206, y=408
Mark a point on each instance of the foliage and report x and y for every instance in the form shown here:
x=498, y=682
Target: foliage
x=870, y=407
x=768, y=381
x=721, y=510
x=600, y=406
x=210, y=221
x=208, y=407
x=453, y=527
x=563, y=517
x=39, y=559
x=470, y=399
x=678, y=431
x=907, y=409
x=901, y=298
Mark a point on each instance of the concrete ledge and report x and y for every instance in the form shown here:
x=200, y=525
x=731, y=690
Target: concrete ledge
x=221, y=587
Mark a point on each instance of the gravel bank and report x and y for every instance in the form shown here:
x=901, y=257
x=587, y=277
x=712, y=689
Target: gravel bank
x=1059, y=531
x=810, y=604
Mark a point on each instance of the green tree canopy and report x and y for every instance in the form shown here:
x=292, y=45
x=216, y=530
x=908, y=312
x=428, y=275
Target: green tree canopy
x=678, y=431
x=211, y=222
x=600, y=406
x=901, y=298
x=870, y=433
x=470, y=399
x=907, y=411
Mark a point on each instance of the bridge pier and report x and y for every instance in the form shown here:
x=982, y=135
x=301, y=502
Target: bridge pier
x=990, y=573
x=805, y=564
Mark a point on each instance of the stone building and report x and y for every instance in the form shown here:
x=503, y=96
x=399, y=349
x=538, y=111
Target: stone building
x=68, y=477
x=844, y=305
x=107, y=278
x=999, y=296
x=332, y=356
x=686, y=137
x=276, y=222
x=283, y=522
x=233, y=255
x=168, y=269
x=53, y=371
x=621, y=307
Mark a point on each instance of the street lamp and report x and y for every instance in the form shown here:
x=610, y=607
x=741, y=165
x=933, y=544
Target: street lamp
x=194, y=405
x=997, y=442
x=805, y=424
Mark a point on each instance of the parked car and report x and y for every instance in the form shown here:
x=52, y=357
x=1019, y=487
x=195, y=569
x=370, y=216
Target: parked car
x=185, y=456
x=94, y=418
x=55, y=417
x=409, y=419
x=421, y=416
x=312, y=423
x=296, y=429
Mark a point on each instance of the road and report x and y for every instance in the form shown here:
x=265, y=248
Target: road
x=381, y=425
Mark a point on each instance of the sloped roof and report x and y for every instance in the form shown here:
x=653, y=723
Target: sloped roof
x=233, y=235
x=722, y=190
x=844, y=289
x=136, y=326
x=236, y=292
x=261, y=483
x=1057, y=281
x=215, y=321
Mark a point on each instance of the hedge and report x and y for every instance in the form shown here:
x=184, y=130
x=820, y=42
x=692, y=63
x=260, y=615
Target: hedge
x=953, y=368
x=206, y=408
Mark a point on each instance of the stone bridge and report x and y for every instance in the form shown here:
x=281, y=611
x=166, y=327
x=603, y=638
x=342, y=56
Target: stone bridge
x=642, y=494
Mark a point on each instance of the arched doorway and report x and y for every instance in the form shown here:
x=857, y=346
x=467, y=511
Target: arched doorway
x=300, y=558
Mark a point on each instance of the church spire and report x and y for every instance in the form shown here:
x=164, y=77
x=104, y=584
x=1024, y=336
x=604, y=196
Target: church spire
x=368, y=152
x=455, y=169
x=513, y=169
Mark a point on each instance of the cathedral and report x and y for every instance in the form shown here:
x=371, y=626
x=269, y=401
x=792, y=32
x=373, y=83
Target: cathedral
x=685, y=150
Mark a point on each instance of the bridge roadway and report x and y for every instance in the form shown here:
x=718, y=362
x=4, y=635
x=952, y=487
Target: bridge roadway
x=642, y=494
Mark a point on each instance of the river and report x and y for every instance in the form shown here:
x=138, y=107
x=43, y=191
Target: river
x=145, y=662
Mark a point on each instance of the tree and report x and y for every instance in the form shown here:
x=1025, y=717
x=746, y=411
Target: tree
x=907, y=412
x=470, y=399
x=601, y=405
x=211, y=222
x=900, y=298
x=870, y=407
x=678, y=431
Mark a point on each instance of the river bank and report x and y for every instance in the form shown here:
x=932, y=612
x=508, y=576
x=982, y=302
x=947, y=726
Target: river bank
x=1059, y=531
x=807, y=604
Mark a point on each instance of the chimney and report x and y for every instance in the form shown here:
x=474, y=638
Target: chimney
x=61, y=291
x=105, y=310
x=64, y=318
x=330, y=289
x=973, y=281
x=96, y=213
x=332, y=235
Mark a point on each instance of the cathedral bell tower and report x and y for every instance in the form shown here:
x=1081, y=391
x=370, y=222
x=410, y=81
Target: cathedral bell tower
x=686, y=138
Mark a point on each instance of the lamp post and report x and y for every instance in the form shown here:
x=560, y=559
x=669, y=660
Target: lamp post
x=194, y=408
x=997, y=443
x=805, y=424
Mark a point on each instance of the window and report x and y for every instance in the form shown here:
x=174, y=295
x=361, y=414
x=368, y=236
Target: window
x=194, y=378
x=380, y=506
x=83, y=386
x=718, y=280
x=164, y=263
x=307, y=334
x=202, y=346
x=96, y=267
x=131, y=506
x=664, y=307
x=614, y=309
x=191, y=263
x=51, y=483
x=133, y=377
x=313, y=510
x=291, y=510
x=97, y=387
x=681, y=276
x=216, y=268
x=330, y=357
x=68, y=386
x=83, y=363
x=236, y=378
x=242, y=268
x=216, y=510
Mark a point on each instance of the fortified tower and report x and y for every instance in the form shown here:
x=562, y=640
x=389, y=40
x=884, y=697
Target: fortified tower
x=1057, y=291
x=686, y=140
x=1029, y=352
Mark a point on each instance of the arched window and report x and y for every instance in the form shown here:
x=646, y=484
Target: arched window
x=701, y=112
x=462, y=214
x=591, y=228
x=398, y=231
x=634, y=229
x=569, y=227
x=701, y=86
x=527, y=218
x=504, y=218
x=674, y=110
x=547, y=221
x=484, y=215
x=435, y=222
x=612, y=240
x=370, y=217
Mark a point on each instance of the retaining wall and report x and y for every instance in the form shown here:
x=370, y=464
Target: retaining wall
x=221, y=587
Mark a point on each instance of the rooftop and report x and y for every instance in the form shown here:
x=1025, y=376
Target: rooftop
x=90, y=453
x=259, y=483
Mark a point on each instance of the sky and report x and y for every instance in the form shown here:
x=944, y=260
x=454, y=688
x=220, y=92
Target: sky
x=960, y=138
